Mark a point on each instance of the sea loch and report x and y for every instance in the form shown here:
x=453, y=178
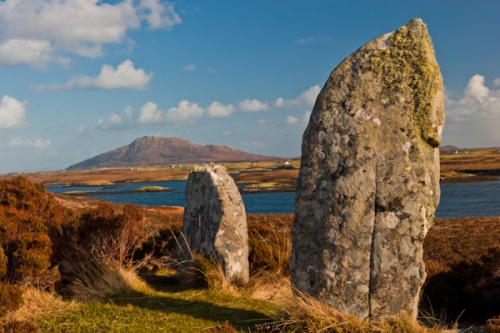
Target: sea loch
x=457, y=200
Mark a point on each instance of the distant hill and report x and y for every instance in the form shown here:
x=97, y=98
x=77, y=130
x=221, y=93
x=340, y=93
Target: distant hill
x=153, y=150
x=452, y=149
x=448, y=149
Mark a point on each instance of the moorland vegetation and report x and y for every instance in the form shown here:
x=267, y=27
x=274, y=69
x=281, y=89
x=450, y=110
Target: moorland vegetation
x=82, y=265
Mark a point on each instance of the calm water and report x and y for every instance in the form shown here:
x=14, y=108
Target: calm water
x=457, y=200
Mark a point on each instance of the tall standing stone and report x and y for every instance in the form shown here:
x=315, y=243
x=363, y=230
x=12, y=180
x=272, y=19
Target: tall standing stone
x=369, y=178
x=215, y=223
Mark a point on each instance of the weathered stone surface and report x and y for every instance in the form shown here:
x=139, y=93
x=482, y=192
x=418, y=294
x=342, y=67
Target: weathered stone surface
x=369, y=179
x=215, y=222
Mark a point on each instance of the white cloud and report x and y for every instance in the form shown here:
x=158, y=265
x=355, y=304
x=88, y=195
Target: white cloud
x=159, y=15
x=187, y=112
x=36, y=143
x=476, y=88
x=189, y=68
x=125, y=76
x=217, y=109
x=305, y=118
x=310, y=40
x=253, y=105
x=37, y=53
x=227, y=133
x=112, y=121
x=184, y=112
x=497, y=82
x=473, y=119
x=128, y=111
x=477, y=102
x=150, y=113
x=12, y=113
x=306, y=98
x=291, y=120
x=81, y=27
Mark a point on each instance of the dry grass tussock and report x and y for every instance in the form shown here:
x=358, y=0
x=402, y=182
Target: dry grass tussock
x=269, y=287
x=95, y=279
x=210, y=273
x=303, y=313
x=199, y=271
x=37, y=302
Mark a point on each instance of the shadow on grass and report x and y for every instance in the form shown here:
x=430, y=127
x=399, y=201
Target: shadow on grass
x=241, y=319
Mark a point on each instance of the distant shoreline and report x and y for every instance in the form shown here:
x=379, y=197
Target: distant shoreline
x=146, y=189
x=468, y=179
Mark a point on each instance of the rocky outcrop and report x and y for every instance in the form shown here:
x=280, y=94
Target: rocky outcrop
x=215, y=222
x=369, y=178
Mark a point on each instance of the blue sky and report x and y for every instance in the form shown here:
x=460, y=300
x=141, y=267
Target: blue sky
x=81, y=77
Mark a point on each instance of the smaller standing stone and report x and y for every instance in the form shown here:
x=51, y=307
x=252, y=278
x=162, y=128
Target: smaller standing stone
x=215, y=223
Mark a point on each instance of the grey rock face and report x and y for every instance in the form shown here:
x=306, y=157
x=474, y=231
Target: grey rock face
x=215, y=222
x=369, y=179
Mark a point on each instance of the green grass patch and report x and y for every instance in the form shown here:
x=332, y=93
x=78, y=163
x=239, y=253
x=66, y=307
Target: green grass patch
x=192, y=310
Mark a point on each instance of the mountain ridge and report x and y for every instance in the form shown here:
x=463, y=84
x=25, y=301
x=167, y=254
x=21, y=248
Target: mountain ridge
x=155, y=150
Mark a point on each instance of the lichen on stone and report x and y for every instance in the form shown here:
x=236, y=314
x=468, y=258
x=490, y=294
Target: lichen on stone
x=406, y=67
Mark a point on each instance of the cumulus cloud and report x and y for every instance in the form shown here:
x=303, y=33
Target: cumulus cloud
x=36, y=143
x=253, y=105
x=113, y=122
x=477, y=112
x=292, y=120
x=81, y=27
x=37, y=53
x=189, y=68
x=184, y=112
x=187, y=112
x=306, y=98
x=477, y=102
x=309, y=40
x=497, y=82
x=150, y=113
x=12, y=113
x=159, y=14
x=217, y=109
x=305, y=118
x=125, y=76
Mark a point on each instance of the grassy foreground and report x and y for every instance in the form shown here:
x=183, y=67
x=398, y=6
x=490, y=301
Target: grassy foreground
x=146, y=310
